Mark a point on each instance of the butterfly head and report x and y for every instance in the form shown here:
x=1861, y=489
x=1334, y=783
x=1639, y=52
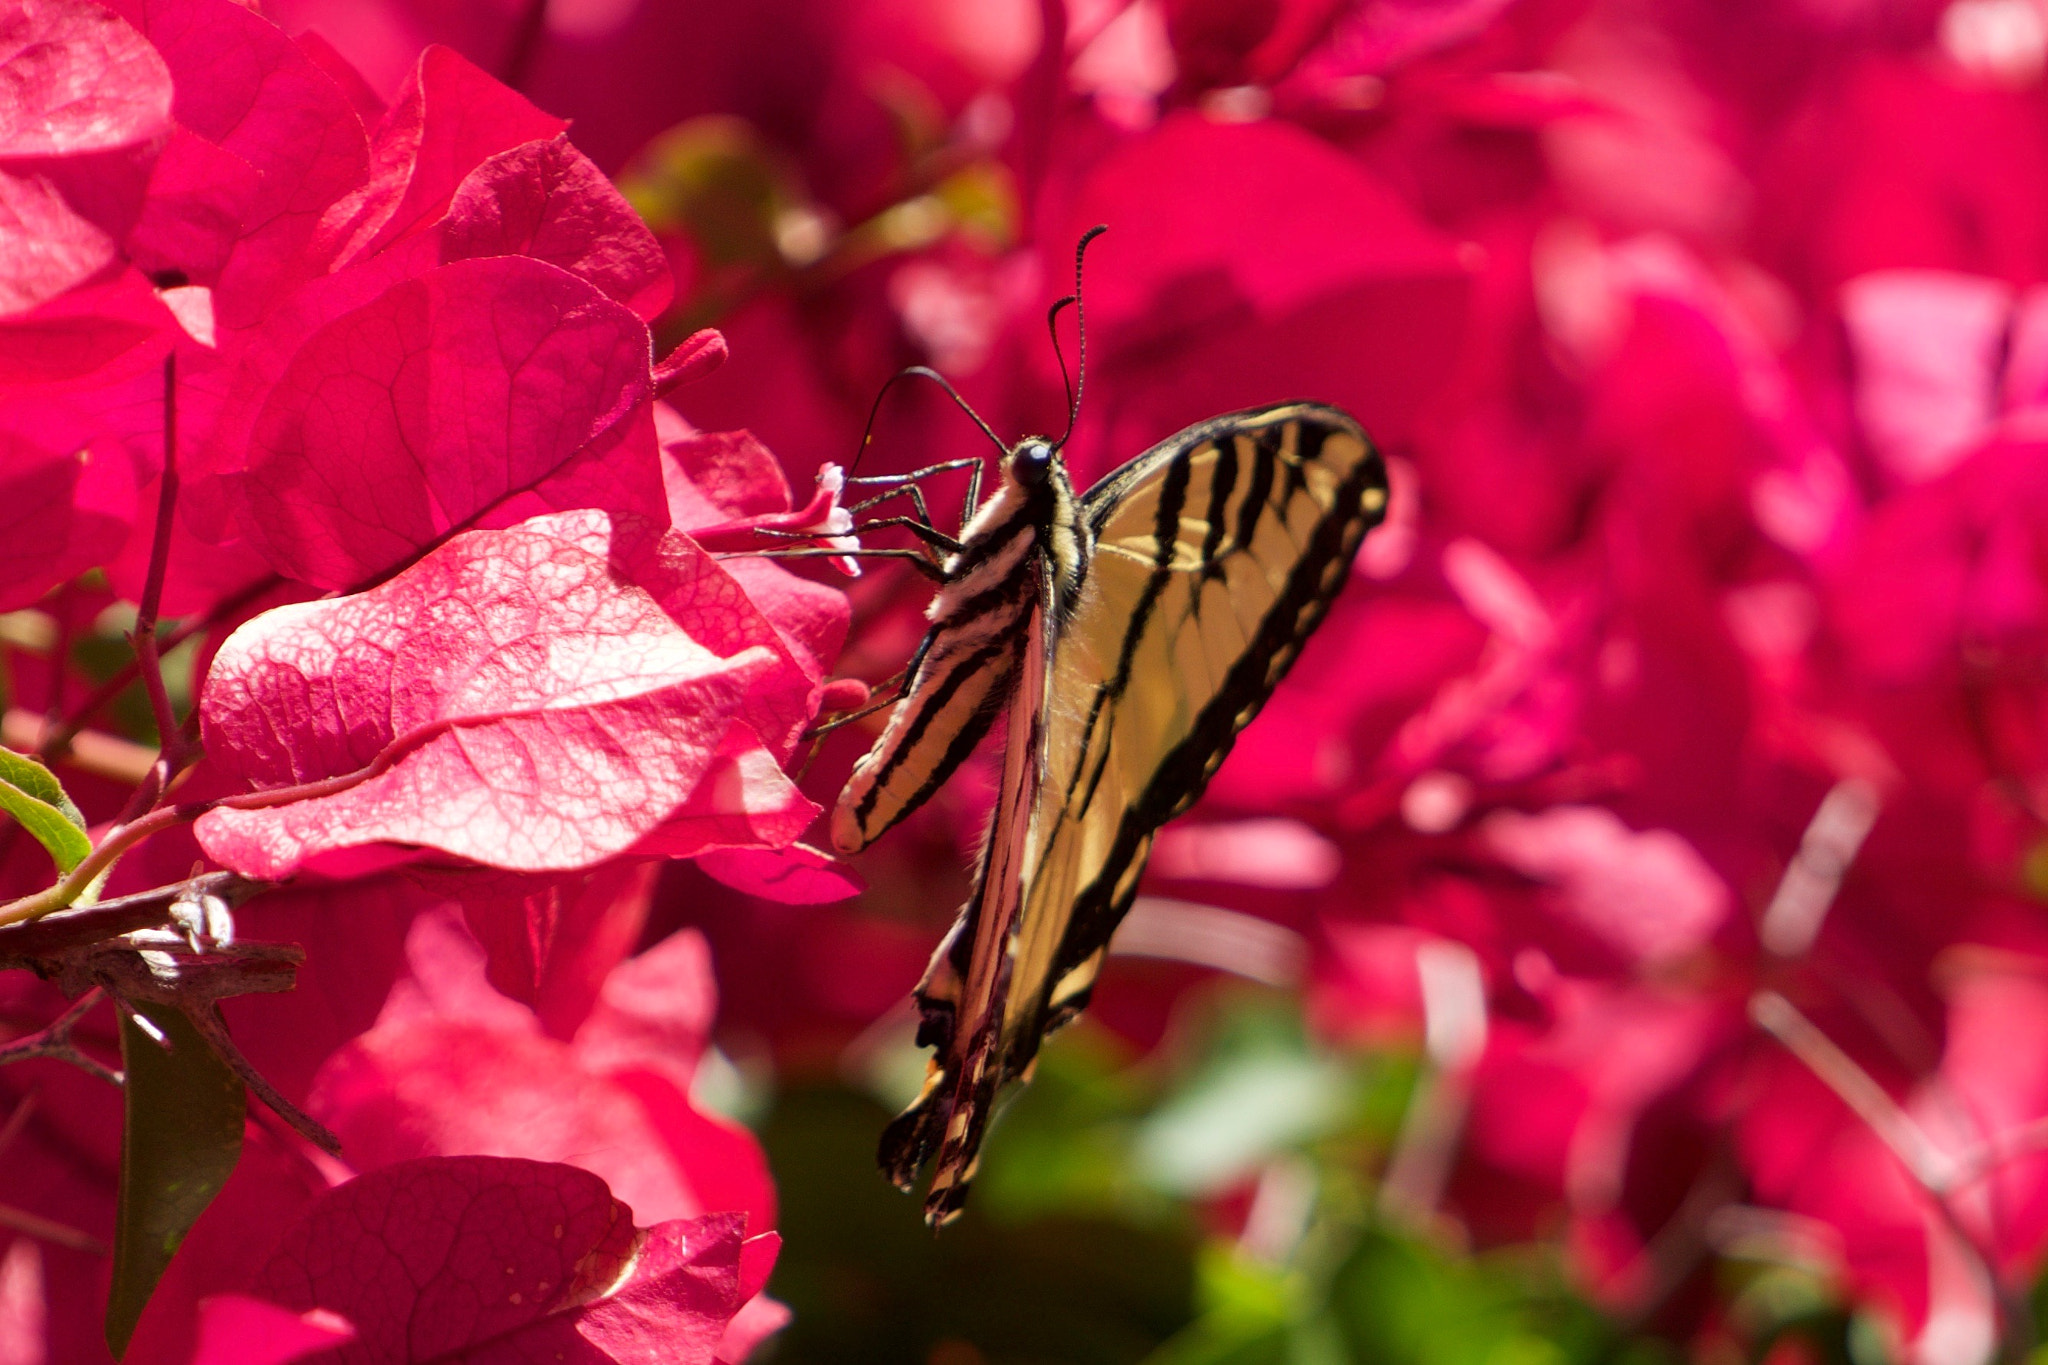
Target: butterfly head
x=1030, y=462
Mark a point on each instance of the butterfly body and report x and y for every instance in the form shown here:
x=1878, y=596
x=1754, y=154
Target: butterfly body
x=1130, y=633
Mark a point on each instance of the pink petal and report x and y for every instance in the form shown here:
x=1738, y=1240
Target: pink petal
x=682, y=1296
x=760, y=1318
x=452, y=1068
x=494, y=1261
x=447, y=978
x=202, y=573
x=744, y=800
x=60, y=514
x=450, y=118
x=551, y=944
x=811, y=618
x=655, y=1012
x=539, y=700
x=87, y=106
x=247, y=88
x=1993, y=1062
x=796, y=875
x=1203, y=210
x=355, y=936
x=720, y=1161
x=200, y=197
x=429, y=1086
x=720, y=476
x=1378, y=34
x=46, y=246
x=695, y=357
x=412, y=416
x=1270, y=852
x=1648, y=894
x=362, y=98
x=235, y=1329
x=79, y=80
x=618, y=471
x=105, y=327
x=1368, y=989
x=1955, y=560
x=24, y=1312
x=1928, y=346
x=1560, y=1105
x=547, y=200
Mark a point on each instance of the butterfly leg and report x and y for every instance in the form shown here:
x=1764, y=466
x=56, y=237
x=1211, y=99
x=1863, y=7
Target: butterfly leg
x=898, y=484
x=884, y=694
x=892, y=686
x=919, y=560
x=917, y=475
x=921, y=528
x=973, y=494
x=919, y=524
x=912, y=486
x=910, y=490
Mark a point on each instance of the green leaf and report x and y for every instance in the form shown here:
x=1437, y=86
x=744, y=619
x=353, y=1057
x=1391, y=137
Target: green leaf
x=1244, y=1113
x=1248, y=1310
x=31, y=794
x=1260, y=1089
x=1407, y=1303
x=180, y=1142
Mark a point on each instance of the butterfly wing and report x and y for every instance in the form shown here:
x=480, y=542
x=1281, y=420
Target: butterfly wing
x=1216, y=555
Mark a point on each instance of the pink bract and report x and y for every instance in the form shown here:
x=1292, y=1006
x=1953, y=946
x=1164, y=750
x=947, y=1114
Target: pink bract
x=476, y=694
x=499, y=1260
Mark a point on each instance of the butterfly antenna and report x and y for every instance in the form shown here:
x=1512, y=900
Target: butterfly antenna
x=919, y=372
x=1052, y=326
x=1081, y=331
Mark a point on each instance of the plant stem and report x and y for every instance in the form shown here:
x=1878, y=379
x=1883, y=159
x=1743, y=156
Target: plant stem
x=118, y=841
x=57, y=740
x=1934, y=1170
x=27, y=944
x=54, y=1040
x=145, y=640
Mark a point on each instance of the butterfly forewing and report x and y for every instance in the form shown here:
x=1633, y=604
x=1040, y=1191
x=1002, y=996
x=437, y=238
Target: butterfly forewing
x=963, y=672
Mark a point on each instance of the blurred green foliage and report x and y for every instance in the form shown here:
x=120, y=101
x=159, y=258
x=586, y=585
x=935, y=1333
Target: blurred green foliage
x=1212, y=1204
x=753, y=224
x=870, y=1283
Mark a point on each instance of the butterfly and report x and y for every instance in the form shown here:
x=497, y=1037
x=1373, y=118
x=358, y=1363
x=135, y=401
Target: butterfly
x=1126, y=635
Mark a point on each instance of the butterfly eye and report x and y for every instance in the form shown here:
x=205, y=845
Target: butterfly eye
x=1031, y=461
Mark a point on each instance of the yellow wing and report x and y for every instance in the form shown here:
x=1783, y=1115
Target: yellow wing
x=1216, y=555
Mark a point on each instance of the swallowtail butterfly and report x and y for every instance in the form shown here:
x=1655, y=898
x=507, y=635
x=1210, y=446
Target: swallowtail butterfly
x=1128, y=634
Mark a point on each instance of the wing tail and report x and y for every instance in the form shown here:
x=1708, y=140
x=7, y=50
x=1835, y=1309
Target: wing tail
x=912, y=1137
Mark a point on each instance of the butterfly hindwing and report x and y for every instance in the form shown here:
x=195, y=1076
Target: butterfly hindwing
x=1214, y=555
